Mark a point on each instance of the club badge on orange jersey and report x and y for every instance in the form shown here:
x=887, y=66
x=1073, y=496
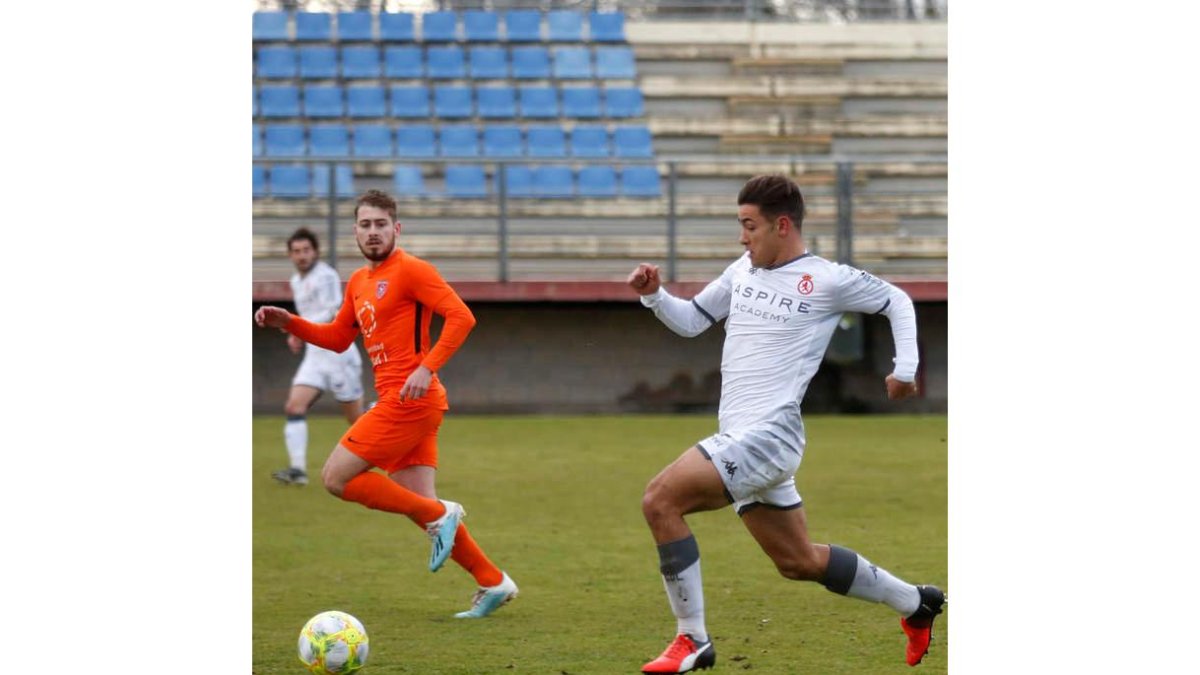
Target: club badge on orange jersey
x=806, y=285
x=380, y=289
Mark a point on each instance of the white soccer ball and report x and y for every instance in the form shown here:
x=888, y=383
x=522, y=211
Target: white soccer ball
x=333, y=643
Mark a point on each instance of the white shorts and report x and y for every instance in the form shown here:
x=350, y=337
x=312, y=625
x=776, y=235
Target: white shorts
x=758, y=462
x=339, y=374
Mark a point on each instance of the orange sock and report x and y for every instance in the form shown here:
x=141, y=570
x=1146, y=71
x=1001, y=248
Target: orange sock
x=470, y=557
x=376, y=491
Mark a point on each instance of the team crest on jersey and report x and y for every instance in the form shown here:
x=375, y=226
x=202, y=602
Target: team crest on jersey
x=380, y=289
x=806, y=285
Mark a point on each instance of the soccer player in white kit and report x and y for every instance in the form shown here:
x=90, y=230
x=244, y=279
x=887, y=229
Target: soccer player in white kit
x=317, y=291
x=781, y=305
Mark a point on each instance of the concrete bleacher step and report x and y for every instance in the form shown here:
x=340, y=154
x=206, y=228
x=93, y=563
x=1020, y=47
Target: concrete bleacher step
x=786, y=88
x=813, y=131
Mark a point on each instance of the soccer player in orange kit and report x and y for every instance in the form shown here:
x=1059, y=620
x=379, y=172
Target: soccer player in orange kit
x=389, y=301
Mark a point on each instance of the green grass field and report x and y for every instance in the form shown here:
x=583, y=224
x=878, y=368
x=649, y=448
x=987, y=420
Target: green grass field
x=555, y=502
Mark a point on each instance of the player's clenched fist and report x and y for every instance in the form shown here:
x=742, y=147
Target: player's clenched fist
x=644, y=279
x=897, y=389
x=274, y=317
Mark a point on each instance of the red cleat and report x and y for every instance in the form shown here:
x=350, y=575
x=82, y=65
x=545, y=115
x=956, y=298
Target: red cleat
x=919, y=626
x=683, y=656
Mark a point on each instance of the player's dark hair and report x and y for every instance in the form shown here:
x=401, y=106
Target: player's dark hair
x=301, y=234
x=380, y=200
x=775, y=195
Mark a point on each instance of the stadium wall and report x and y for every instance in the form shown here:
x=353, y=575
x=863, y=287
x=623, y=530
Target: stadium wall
x=603, y=357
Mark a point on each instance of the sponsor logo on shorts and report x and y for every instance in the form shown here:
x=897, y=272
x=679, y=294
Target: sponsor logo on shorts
x=730, y=467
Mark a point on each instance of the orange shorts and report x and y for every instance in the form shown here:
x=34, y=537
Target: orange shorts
x=394, y=435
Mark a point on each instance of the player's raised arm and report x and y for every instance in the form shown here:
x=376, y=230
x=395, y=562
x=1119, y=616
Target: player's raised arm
x=335, y=336
x=687, y=318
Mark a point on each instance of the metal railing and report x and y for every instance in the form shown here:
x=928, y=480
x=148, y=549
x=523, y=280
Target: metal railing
x=846, y=185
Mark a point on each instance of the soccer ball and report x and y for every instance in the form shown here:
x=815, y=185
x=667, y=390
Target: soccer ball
x=333, y=643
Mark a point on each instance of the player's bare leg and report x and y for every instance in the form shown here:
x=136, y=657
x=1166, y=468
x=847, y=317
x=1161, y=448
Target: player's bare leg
x=295, y=434
x=690, y=484
x=783, y=536
x=352, y=410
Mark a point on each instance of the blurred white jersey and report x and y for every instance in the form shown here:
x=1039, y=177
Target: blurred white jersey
x=318, y=296
x=780, y=321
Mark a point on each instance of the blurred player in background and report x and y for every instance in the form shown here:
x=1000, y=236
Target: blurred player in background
x=317, y=291
x=782, y=305
x=390, y=302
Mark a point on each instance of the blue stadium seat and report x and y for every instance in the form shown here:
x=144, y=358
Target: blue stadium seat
x=279, y=100
x=581, y=102
x=614, y=63
x=446, y=63
x=416, y=141
x=401, y=63
x=623, y=102
x=372, y=140
x=318, y=62
x=597, y=181
x=396, y=27
x=343, y=181
x=355, y=26
x=271, y=26
x=538, y=102
x=410, y=101
x=502, y=141
x=573, y=63
x=276, y=62
x=546, y=142
x=439, y=27
x=466, y=181
x=496, y=102
x=530, y=63
x=553, y=181
x=459, y=140
x=518, y=180
x=255, y=104
x=632, y=142
x=523, y=25
x=314, y=27
x=452, y=102
x=488, y=63
x=323, y=101
x=408, y=181
x=285, y=140
x=481, y=26
x=607, y=26
x=564, y=25
x=589, y=141
x=328, y=140
x=258, y=145
x=360, y=62
x=291, y=181
x=640, y=181
x=260, y=181
x=366, y=102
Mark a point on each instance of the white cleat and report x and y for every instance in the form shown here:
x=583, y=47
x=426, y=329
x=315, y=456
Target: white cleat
x=442, y=532
x=488, y=600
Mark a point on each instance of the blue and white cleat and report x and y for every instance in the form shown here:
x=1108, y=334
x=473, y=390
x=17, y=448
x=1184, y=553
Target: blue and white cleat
x=442, y=532
x=488, y=600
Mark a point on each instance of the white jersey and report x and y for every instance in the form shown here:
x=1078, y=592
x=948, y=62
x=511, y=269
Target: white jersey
x=780, y=321
x=318, y=296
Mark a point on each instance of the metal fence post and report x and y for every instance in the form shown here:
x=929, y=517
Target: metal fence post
x=502, y=225
x=845, y=213
x=332, y=235
x=672, y=224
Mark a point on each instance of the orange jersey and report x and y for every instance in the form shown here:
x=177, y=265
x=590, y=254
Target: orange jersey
x=392, y=306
